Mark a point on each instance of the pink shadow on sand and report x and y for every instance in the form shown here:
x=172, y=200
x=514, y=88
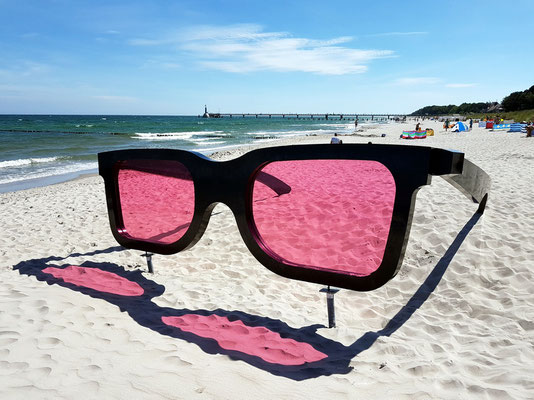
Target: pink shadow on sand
x=255, y=341
x=96, y=279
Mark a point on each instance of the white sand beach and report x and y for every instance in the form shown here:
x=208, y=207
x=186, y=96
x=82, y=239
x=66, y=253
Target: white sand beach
x=457, y=322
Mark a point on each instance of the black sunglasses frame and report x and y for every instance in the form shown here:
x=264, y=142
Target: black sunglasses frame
x=230, y=182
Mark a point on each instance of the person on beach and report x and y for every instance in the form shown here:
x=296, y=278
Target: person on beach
x=530, y=128
x=356, y=123
x=471, y=124
x=418, y=127
x=446, y=124
x=336, y=140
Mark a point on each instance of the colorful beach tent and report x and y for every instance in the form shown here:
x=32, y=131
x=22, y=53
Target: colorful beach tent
x=413, y=135
x=460, y=127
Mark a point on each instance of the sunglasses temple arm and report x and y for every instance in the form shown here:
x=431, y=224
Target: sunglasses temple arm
x=473, y=182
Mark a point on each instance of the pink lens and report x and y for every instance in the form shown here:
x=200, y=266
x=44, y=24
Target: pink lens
x=336, y=217
x=157, y=199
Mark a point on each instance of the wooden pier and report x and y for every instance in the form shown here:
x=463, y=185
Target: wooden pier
x=328, y=116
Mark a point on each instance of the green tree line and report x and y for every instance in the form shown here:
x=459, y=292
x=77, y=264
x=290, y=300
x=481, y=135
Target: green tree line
x=515, y=101
x=463, y=108
x=518, y=101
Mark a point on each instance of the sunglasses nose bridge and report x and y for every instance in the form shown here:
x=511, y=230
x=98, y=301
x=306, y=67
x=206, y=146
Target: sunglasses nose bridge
x=224, y=183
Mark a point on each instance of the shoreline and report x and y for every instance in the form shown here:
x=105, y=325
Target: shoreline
x=45, y=181
x=362, y=135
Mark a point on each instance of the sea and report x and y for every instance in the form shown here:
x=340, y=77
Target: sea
x=38, y=150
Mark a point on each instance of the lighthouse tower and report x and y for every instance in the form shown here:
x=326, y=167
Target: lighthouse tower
x=206, y=113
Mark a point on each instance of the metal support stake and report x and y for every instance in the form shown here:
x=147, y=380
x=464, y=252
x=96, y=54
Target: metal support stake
x=149, y=261
x=330, y=305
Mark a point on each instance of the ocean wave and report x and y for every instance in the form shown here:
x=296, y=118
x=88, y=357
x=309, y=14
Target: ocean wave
x=164, y=136
x=214, y=134
x=178, y=135
x=292, y=133
x=208, y=138
x=26, y=161
x=202, y=139
x=47, y=172
x=204, y=143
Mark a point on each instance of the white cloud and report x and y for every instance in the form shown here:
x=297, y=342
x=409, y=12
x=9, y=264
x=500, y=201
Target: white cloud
x=231, y=32
x=417, y=81
x=460, y=85
x=247, y=48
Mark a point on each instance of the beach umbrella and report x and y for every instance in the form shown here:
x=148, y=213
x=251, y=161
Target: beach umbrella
x=460, y=127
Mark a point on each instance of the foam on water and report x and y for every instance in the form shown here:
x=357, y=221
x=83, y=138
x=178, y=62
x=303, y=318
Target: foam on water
x=290, y=133
x=164, y=135
x=26, y=161
x=177, y=135
x=211, y=143
x=63, y=168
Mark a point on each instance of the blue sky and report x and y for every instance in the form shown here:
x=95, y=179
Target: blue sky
x=172, y=57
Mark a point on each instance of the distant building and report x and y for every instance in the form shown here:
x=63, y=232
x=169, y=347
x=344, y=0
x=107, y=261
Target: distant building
x=494, y=107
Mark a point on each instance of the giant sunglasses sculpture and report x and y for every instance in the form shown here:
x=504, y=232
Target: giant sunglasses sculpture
x=337, y=215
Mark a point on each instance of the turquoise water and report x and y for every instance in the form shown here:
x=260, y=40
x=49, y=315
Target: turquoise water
x=37, y=149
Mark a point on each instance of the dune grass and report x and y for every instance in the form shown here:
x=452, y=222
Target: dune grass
x=518, y=116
